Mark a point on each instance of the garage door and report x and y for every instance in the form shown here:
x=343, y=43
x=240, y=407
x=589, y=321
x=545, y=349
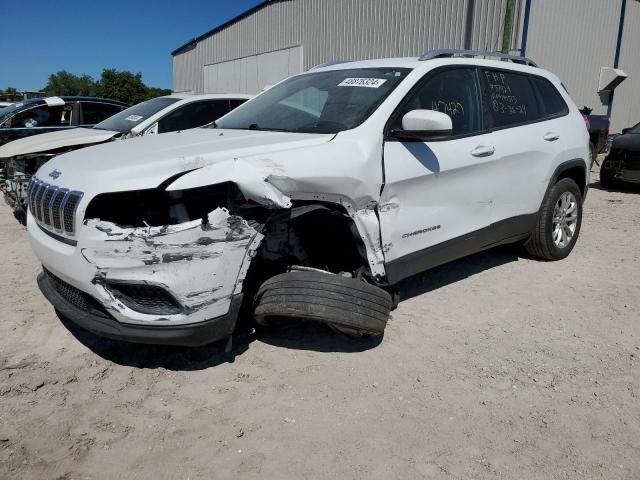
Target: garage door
x=251, y=74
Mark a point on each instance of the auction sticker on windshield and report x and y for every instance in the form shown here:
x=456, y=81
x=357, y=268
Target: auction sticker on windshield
x=133, y=118
x=362, y=82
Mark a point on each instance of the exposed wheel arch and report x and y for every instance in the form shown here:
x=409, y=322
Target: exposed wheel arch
x=316, y=234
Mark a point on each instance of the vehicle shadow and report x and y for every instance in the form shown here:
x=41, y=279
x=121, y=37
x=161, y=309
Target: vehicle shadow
x=620, y=187
x=20, y=216
x=291, y=334
x=158, y=356
x=455, y=271
x=301, y=335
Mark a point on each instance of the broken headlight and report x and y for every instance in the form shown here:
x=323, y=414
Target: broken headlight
x=157, y=207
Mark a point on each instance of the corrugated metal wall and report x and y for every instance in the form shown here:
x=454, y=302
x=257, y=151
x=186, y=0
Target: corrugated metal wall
x=573, y=39
x=346, y=30
x=626, y=102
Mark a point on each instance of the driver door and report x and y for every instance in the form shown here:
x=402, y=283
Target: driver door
x=438, y=195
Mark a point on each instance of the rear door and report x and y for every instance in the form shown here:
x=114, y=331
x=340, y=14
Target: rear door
x=528, y=137
x=92, y=113
x=437, y=198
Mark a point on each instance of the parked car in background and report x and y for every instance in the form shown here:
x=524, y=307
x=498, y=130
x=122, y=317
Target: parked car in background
x=41, y=115
x=158, y=115
x=622, y=164
x=598, y=126
x=312, y=200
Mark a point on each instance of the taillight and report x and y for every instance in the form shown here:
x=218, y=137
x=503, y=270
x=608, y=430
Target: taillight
x=586, y=122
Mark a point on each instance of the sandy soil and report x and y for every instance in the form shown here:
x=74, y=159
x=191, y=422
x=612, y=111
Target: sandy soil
x=496, y=366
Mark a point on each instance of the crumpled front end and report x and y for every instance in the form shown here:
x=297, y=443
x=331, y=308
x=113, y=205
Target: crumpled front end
x=164, y=278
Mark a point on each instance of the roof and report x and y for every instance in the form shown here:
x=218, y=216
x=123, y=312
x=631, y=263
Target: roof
x=210, y=96
x=67, y=98
x=423, y=65
x=191, y=44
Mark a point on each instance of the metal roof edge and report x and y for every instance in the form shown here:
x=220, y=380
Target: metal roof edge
x=191, y=44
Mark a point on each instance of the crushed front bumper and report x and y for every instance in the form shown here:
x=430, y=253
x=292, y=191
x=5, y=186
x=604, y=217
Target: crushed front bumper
x=101, y=323
x=177, y=284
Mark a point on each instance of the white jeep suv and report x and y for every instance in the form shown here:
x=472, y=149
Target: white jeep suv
x=313, y=199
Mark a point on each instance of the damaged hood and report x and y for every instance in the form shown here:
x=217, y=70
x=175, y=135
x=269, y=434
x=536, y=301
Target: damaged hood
x=147, y=162
x=45, y=142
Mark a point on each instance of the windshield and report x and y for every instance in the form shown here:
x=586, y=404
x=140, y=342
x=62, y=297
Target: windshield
x=5, y=110
x=323, y=102
x=125, y=120
x=9, y=109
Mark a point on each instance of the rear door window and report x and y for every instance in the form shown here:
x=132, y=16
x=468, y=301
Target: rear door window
x=95, y=112
x=551, y=101
x=192, y=115
x=511, y=97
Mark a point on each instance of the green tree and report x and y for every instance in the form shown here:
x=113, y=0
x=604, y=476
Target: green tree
x=65, y=83
x=117, y=85
x=124, y=86
x=153, y=92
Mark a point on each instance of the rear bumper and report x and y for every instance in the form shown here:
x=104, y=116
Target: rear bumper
x=102, y=324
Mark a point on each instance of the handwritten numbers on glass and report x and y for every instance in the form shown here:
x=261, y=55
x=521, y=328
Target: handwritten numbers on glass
x=502, y=98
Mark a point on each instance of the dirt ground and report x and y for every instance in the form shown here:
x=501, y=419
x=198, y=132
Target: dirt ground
x=495, y=366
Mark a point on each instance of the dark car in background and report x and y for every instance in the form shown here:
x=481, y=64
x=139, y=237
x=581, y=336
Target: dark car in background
x=598, y=126
x=42, y=115
x=622, y=165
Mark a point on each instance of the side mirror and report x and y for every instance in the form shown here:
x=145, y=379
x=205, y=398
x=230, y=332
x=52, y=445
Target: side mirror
x=422, y=125
x=152, y=130
x=625, y=131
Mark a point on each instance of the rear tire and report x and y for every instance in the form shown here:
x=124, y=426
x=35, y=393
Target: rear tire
x=607, y=173
x=559, y=223
x=343, y=303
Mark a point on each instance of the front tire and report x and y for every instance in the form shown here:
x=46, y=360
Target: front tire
x=345, y=304
x=559, y=223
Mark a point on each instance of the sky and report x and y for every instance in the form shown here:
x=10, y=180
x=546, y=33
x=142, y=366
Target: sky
x=40, y=37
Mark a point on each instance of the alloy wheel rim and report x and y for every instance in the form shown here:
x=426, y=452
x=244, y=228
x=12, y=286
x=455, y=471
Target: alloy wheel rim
x=565, y=220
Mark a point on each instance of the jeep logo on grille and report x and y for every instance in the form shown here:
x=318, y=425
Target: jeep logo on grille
x=55, y=173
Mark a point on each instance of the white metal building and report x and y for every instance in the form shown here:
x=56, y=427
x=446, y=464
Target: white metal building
x=278, y=38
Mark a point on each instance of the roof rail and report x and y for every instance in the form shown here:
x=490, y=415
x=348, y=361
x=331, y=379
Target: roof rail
x=455, y=52
x=328, y=64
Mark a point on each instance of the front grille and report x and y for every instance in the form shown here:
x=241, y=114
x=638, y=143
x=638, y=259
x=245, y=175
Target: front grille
x=80, y=300
x=142, y=298
x=52, y=206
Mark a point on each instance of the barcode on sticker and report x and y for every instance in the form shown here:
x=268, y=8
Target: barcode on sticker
x=362, y=82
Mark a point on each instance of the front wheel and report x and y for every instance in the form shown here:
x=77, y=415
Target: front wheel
x=559, y=223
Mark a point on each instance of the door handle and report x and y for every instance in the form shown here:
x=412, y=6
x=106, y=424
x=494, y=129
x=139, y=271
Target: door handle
x=551, y=136
x=483, y=151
